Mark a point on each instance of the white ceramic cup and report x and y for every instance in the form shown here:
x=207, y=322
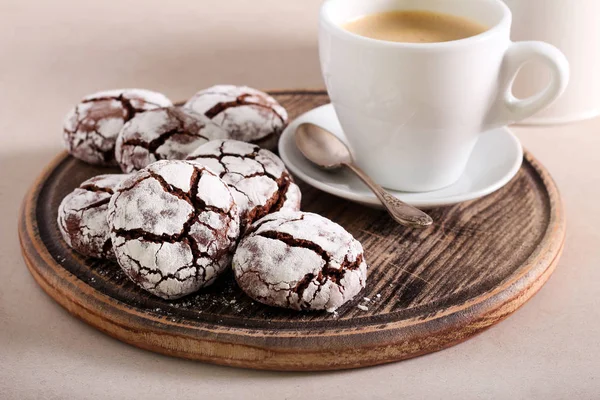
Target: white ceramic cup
x=412, y=112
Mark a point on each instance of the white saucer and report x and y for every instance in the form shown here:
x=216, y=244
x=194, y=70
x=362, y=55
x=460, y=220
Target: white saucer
x=494, y=162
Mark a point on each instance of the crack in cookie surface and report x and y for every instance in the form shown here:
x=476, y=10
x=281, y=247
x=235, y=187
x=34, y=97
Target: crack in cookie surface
x=91, y=127
x=259, y=178
x=170, y=133
x=191, y=217
x=241, y=101
x=82, y=216
x=246, y=114
x=301, y=261
x=327, y=272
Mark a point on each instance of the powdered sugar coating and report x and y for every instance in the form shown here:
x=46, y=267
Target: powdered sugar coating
x=82, y=216
x=292, y=199
x=261, y=184
x=301, y=261
x=91, y=127
x=246, y=114
x=169, y=133
x=174, y=226
x=139, y=98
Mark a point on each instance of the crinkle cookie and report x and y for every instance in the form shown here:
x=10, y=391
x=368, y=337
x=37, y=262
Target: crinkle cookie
x=91, y=127
x=259, y=180
x=246, y=114
x=174, y=226
x=301, y=261
x=163, y=134
x=82, y=216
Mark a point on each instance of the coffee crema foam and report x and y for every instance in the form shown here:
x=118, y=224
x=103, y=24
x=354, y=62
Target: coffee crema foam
x=414, y=26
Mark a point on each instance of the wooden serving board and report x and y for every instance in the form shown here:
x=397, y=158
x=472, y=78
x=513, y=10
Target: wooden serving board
x=429, y=289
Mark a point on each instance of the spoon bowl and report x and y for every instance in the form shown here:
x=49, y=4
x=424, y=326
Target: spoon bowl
x=321, y=146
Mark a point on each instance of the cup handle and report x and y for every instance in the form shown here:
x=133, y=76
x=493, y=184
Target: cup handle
x=510, y=109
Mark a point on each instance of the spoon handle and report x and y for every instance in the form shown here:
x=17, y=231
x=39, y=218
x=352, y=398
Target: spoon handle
x=403, y=213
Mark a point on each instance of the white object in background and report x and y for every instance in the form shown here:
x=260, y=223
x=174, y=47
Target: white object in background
x=495, y=160
x=413, y=112
x=574, y=27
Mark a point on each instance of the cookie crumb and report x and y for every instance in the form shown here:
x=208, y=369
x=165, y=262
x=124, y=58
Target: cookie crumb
x=364, y=308
x=378, y=296
x=366, y=299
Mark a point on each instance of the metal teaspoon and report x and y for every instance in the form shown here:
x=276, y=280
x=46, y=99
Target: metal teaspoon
x=327, y=151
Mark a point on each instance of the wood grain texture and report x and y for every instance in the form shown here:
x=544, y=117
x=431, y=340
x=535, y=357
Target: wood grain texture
x=429, y=289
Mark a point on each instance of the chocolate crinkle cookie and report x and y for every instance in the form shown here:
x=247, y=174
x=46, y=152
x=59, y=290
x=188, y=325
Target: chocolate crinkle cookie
x=246, y=114
x=91, y=127
x=174, y=226
x=301, y=261
x=259, y=181
x=163, y=134
x=82, y=216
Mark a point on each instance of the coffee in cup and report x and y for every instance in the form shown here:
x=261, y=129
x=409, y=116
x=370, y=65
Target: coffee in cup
x=414, y=26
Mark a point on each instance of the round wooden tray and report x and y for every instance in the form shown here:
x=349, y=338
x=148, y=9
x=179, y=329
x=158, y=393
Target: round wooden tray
x=429, y=289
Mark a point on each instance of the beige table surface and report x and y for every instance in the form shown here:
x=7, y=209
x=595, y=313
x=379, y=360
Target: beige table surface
x=53, y=52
